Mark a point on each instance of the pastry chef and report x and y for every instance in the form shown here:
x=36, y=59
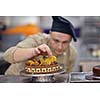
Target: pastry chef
x=57, y=43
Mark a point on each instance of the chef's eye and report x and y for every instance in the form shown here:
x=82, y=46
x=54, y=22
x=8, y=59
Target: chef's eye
x=65, y=42
x=56, y=40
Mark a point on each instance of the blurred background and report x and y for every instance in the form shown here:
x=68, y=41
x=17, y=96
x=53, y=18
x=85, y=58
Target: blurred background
x=16, y=28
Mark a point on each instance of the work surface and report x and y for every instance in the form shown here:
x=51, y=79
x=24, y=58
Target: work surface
x=74, y=77
x=26, y=79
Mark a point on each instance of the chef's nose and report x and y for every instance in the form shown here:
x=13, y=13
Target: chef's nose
x=60, y=46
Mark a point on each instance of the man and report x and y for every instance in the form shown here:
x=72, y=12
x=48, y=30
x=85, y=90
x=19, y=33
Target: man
x=57, y=43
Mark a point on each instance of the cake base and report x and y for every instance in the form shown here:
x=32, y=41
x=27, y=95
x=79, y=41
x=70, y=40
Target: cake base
x=43, y=69
x=42, y=77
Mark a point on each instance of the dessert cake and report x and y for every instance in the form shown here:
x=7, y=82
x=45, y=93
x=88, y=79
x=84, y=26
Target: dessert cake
x=96, y=72
x=43, y=66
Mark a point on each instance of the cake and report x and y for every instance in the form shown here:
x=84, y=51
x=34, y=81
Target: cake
x=96, y=72
x=42, y=66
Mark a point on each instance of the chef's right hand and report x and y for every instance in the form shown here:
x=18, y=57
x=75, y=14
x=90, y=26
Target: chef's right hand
x=43, y=50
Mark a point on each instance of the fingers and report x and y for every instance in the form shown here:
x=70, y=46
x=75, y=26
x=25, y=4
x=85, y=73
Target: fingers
x=48, y=51
x=43, y=50
x=37, y=50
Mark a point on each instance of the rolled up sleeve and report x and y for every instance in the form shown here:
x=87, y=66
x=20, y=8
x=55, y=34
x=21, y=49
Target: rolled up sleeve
x=8, y=55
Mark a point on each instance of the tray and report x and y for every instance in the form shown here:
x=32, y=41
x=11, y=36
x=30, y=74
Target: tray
x=82, y=77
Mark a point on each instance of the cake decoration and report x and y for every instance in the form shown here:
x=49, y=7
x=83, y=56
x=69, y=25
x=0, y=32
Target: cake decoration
x=43, y=65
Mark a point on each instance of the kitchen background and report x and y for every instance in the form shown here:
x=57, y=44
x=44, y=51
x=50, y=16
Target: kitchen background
x=15, y=28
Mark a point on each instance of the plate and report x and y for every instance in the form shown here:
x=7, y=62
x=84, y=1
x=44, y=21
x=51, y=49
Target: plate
x=43, y=77
x=50, y=74
x=91, y=77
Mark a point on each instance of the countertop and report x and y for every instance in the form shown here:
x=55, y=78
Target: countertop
x=25, y=79
x=74, y=77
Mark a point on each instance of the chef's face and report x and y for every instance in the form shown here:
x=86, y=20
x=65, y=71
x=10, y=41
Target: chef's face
x=59, y=42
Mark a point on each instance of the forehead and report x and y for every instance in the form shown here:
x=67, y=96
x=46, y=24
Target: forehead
x=60, y=36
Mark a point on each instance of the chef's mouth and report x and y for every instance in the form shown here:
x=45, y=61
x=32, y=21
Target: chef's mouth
x=58, y=52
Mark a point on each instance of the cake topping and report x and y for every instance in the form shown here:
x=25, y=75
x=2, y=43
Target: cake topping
x=42, y=61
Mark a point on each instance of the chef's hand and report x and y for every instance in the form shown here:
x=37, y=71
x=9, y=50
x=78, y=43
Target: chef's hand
x=43, y=50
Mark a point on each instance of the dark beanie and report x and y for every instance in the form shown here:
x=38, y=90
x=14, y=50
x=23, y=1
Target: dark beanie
x=63, y=25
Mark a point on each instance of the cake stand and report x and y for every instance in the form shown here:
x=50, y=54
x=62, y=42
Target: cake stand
x=42, y=77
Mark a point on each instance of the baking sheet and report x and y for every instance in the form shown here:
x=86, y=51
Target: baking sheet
x=82, y=77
